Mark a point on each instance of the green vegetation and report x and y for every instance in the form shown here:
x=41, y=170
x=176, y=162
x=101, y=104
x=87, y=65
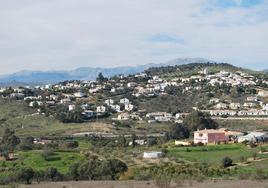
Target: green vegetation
x=212, y=154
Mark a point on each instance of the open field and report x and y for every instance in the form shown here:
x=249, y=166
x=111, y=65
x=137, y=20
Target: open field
x=147, y=184
x=213, y=154
x=60, y=160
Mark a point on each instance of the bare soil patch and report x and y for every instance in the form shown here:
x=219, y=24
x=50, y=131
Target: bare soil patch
x=148, y=184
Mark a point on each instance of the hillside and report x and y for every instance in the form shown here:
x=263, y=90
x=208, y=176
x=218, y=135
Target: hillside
x=192, y=69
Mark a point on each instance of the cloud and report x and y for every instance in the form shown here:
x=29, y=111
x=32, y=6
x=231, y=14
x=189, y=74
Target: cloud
x=65, y=34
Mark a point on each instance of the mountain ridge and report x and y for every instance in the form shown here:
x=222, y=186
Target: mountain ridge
x=86, y=73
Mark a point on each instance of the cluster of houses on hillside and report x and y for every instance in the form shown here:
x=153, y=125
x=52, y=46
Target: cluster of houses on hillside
x=74, y=93
x=252, y=106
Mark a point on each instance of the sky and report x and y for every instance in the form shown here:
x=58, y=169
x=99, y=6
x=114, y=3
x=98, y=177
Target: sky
x=67, y=34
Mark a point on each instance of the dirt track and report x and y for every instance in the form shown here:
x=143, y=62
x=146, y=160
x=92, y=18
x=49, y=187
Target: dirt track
x=147, y=184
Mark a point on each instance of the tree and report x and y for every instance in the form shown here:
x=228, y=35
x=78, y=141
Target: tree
x=27, y=143
x=73, y=171
x=95, y=169
x=100, y=78
x=226, y=162
x=114, y=167
x=133, y=139
x=199, y=120
x=122, y=142
x=10, y=140
x=72, y=144
x=52, y=174
x=178, y=131
x=39, y=175
x=26, y=174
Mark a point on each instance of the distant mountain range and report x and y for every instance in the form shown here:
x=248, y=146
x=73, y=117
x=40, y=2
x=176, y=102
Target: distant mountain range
x=27, y=77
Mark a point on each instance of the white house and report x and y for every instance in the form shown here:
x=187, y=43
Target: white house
x=252, y=99
x=209, y=136
x=101, y=109
x=138, y=142
x=235, y=106
x=123, y=116
x=124, y=101
x=221, y=112
x=79, y=94
x=263, y=93
x=249, y=104
x=116, y=108
x=109, y=102
x=38, y=103
x=254, y=137
x=132, y=84
x=160, y=116
x=129, y=107
x=221, y=106
x=71, y=107
x=64, y=101
x=53, y=97
x=89, y=113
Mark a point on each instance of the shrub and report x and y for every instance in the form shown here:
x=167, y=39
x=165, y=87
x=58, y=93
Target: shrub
x=26, y=174
x=162, y=180
x=49, y=155
x=226, y=162
x=71, y=144
x=52, y=174
x=142, y=175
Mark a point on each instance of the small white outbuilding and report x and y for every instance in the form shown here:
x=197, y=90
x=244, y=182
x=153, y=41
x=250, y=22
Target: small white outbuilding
x=152, y=155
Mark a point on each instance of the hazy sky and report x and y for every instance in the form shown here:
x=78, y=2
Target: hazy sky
x=66, y=34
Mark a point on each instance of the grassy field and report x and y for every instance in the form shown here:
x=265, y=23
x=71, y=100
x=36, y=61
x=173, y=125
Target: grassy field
x=34, y=159
x=212, y=154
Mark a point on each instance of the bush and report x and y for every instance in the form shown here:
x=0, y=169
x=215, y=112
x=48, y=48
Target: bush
x=71, y=144
x=142, y=175
x=52, y=174
x=48, y=154
x=226, y=162
x=26, y=174
x=162, y=180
